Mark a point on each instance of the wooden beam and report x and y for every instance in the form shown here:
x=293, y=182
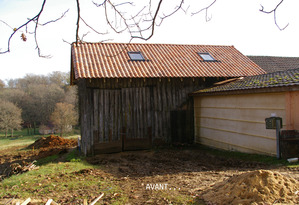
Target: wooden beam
x=97, y=199
x=26, y=201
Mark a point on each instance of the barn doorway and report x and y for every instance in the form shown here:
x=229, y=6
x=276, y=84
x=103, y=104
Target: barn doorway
x=137, y=118
x=122, y=119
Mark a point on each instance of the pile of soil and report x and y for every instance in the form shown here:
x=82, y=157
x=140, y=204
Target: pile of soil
x=254, y=187
x=53, y=141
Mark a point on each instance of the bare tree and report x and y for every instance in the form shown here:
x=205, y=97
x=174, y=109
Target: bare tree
x=2, y=84
x=10, y=117
x=64, y=117
x=138, y=18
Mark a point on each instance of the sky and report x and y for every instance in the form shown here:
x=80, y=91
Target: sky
x=232, y=22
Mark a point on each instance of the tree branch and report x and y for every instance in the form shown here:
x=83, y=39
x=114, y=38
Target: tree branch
x=274, y=14
x=206, y=10
x=35, y=19
x=92, y=27
x=53, y=21
x=78, y=21
x=152, y=25
x=6, y=24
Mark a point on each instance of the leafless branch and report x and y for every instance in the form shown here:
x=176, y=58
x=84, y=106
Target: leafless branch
x=35, y=31
x=35, y=19
x=53, y=21
x=176, y=10
x=6, y=24
x=84, y=36
x=206, y=10
x=119, y=14
x=99, y=5
x=172, y=13
x=274, y=14
x=152, y=25
x=66, y=42
x=78, y=21
x=92, y=27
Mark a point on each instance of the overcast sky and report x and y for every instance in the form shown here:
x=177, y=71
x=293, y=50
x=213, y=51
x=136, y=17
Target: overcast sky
x=233, y=22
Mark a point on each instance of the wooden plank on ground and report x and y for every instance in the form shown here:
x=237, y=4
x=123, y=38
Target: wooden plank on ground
x=26, y=201
x=97, y=199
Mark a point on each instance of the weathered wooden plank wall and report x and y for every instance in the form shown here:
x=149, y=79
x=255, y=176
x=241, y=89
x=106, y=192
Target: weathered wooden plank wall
x=117, y=110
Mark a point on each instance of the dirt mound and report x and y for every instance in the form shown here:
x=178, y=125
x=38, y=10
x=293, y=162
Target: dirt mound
x=254, y=187
x=53, y=141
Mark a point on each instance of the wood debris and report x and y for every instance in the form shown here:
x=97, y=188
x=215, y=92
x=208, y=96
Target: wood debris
x=16, y=168
x=51, y=202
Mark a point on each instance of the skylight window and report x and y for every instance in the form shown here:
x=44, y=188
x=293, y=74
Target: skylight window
x=206, y=57
x=136, y=56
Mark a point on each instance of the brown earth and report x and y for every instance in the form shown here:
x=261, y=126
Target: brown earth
x=18, y=157
x=165, y=176
x=52, y=141
x=146, y=176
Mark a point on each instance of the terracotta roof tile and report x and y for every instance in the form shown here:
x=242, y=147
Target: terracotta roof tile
x=277, y=79
x=110, y=60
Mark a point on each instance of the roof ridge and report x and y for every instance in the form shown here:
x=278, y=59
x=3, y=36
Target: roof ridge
x=263, y=56
x=153, y=44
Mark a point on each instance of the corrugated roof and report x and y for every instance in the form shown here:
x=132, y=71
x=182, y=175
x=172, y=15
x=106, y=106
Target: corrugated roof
x=110, y=60
x=272, y=63
x=270, y=80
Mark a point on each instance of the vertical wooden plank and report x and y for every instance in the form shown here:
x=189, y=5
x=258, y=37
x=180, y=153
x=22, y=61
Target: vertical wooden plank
x=115, y=124
x=150, y=112
x=156, y=105
x=160, y=110
x=106, y=115
x=101, y=115
x=163, y=113
x=135, y=112
x=174, y=93
x=129, y=113
x=111, y=114
x=123, y=123
x=140, y=119
x=96, y=114
x=169, y=96
x=119, y=114
x=90, y=119
x=144, y=111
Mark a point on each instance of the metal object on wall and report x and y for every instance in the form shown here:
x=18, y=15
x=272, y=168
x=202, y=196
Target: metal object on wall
x=275, y=123
x=271, y=122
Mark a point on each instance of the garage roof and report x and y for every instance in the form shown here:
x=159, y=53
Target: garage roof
x=280, y=79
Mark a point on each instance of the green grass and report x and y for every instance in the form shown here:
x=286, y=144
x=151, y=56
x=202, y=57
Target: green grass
x=9, y=142
x=46, y=160
x=57, y=179
x=61, y=179
x=74, y=156
x=22, y=139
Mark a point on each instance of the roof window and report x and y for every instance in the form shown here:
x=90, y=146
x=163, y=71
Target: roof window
x=206, y=57
x=136, y=56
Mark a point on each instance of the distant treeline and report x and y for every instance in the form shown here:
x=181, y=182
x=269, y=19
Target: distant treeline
x=36, y=96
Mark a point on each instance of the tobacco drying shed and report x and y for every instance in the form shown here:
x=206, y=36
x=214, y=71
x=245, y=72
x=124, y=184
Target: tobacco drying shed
x=134, y=96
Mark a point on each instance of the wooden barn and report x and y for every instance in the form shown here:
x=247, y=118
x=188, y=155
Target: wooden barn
x=134, y=96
